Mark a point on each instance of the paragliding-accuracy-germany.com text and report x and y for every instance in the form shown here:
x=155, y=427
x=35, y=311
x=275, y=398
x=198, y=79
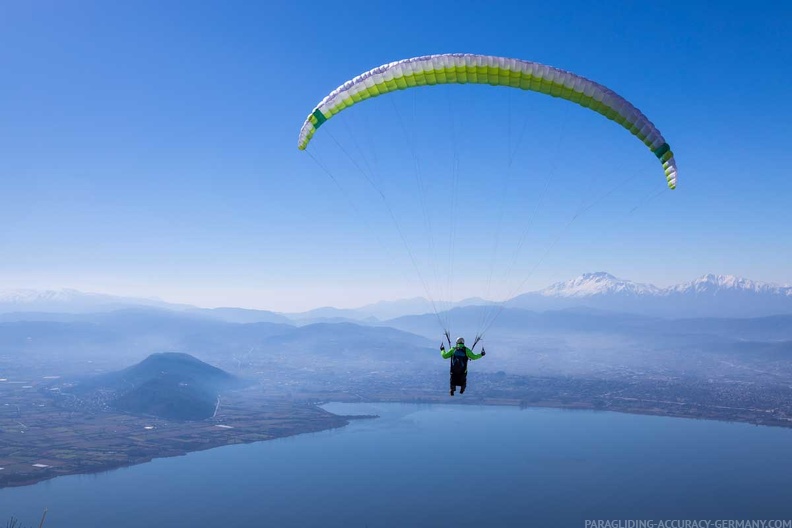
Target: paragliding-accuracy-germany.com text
x=688, y=523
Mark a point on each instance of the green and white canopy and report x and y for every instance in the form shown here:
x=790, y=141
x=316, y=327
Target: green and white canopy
x=462, y=68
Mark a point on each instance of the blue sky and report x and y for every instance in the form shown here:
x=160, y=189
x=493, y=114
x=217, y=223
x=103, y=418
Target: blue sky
x=149, y=148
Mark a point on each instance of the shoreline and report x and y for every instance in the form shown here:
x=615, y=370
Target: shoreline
x=59, y=444
x=340, y=421
x=113, y=467
x=584, y=406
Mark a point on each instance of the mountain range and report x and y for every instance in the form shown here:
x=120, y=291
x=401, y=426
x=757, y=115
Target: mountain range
x=707, y=296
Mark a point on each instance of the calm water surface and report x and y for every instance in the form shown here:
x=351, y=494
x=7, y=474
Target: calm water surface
x=442, y=465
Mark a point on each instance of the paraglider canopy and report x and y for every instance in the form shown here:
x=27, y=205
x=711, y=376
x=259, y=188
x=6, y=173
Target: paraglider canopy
x=463, y=68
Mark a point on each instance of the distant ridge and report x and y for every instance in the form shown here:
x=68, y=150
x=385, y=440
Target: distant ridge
x=68, y=301
x=707, y=296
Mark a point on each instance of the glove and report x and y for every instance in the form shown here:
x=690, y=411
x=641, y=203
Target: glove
x=442, y=346
x=483, y=352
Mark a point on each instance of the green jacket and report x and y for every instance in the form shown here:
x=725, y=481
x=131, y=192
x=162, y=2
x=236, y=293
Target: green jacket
x=450, y=352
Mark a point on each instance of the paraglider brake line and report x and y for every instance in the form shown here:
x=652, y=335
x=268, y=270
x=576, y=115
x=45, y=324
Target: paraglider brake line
x=448, y=337
x=475, y=342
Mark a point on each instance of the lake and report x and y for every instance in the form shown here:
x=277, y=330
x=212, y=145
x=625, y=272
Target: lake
x=442, y=465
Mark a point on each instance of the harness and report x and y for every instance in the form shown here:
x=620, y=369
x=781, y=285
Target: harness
x=459, y=361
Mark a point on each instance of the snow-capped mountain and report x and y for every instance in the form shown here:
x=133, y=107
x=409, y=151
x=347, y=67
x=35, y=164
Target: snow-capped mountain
x=599, y=283
x=714, y=283
x=66, y=301
x=708, y=296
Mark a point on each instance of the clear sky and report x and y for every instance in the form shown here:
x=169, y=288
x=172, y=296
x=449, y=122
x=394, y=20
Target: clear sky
x=149, y=148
